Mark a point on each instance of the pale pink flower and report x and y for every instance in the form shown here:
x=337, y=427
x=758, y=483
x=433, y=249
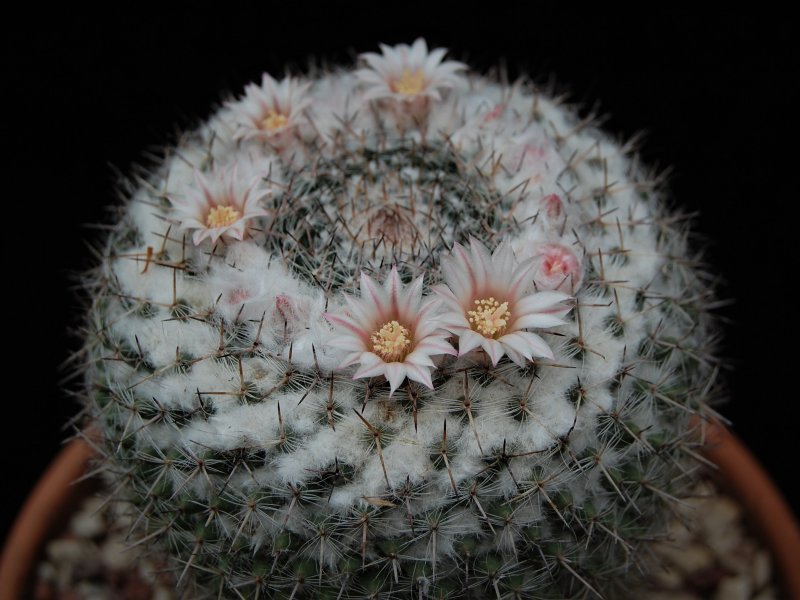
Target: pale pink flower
x=489, y=303
x=219, y=206
x=391, y=330
x=557, y=268
x=271, y=110
x=406, y=72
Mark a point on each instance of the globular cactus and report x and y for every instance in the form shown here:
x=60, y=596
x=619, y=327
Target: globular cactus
x=399, y=332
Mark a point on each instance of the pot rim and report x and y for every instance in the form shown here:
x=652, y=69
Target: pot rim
x=769, y=513
x=60, y=485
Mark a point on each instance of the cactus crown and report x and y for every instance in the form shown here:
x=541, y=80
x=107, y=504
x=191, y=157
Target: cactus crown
x=399, y=332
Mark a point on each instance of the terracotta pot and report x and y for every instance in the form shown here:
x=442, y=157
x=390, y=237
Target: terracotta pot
x=769, y=514
x=54, y=498
x=46, y=510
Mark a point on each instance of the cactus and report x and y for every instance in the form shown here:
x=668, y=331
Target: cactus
x=400, y=331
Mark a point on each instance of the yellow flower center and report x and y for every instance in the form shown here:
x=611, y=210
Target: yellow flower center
x=391, y=342
x=222, y=216
x=409, y=83
x=274, y=120
x=490, y=317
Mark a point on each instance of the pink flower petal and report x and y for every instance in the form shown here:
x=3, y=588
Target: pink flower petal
x=464, y=274
x=348, y=342
x=433, y=346
x=481, y=265
x=375, y=295
x=420, y=359
x=468, y=341
x=371, y=366
x=517, y=343
x=395, y=373
x=392, y=286
x=517, y=358
x=502, y=261
x=420, y=375
x=360, y=315
x=410, y=301
x=521, y=279
x=345, y=322
x=352, y=359
x=548, y=301
x=494, y=349
x=537, y=321
x=449, y=297
x=536, y=344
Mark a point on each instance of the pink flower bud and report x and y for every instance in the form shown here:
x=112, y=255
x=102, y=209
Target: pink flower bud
x=284, y=306
x=237, y=296
x=494, y=113
x=552, y=205
x=558, y=268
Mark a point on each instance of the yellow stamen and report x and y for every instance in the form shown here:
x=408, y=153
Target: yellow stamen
x=490, y=317
x=391, y=342
x=409, y=83
x=274, y=120
x=555, y=265
x=222, y=216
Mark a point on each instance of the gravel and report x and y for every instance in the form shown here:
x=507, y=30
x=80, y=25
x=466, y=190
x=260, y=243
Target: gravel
x=711, y=554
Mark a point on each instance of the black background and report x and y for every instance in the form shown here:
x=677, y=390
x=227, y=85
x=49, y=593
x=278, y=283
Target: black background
x=87, y=94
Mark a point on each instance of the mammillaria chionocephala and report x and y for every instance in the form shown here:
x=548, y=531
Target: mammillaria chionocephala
x=402, y=331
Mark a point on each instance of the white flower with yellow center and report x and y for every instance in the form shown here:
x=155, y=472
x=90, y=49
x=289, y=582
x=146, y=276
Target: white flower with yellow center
x=220, y=205
x=406, y=72
x=391, y=330
x=272, y=109
x=490, y=305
